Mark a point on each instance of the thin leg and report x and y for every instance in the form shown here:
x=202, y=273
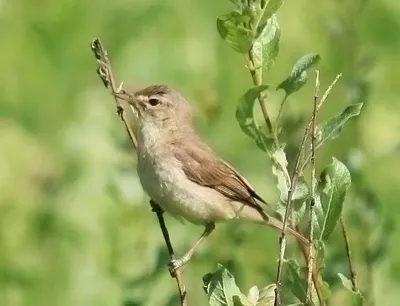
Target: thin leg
x=178, y=263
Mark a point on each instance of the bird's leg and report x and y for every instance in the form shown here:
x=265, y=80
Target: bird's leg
x=178, y=263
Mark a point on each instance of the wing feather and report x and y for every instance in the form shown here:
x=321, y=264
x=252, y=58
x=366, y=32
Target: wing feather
x=203, y=167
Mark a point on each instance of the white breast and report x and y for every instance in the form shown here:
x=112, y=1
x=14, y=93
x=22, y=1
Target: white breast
x=163, y=179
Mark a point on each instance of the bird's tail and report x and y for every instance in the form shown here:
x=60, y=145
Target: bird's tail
x=260, y=216
x=271, y=221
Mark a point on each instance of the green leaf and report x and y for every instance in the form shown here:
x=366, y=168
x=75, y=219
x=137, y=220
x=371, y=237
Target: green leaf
x=245, y=116
x=298, y=75
x=232, y=29
x=266, y=138
x=295, y=280
x=301, y=193
x=262, y=297
x=266, y=46
x=321, y=253
x=222, y=290
x=331, y=128
x=252, y=22
x=345, y=281
x=240, y=301
x=266, y=296
x=358, y=299
x=334, y=182
x=262, y=12
x=253, y=295
x=270, y=9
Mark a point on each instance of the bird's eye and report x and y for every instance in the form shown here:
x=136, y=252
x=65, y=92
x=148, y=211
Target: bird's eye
x=154, y=101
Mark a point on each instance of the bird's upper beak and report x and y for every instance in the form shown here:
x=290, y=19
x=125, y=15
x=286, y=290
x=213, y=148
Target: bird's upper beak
x=131, y=99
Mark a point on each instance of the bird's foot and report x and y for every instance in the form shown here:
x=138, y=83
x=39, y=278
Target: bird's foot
x=177, y=264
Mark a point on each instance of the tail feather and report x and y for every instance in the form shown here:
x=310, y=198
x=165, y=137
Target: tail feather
x=289, y=230
x=250, y=213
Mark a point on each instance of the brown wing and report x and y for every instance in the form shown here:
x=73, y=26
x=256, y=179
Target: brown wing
x=204, y=168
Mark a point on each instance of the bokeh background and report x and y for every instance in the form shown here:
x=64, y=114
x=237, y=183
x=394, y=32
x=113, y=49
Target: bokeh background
x=75, y=226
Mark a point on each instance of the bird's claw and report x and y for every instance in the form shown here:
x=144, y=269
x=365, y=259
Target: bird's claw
x=175, y=265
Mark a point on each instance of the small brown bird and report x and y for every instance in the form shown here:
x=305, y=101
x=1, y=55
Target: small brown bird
x=182, y=174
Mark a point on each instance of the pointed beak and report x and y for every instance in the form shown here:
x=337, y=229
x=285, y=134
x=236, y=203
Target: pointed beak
x=133, y=102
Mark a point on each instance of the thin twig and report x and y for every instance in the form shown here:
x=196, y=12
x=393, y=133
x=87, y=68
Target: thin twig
x=105, y=72
x=297, y=170
x=326, y=94
x=177, y=274
x=348, y=253
x=256, y=75
x=278, y=117
x=282, y=240
x=311, y=252
x=316, y=278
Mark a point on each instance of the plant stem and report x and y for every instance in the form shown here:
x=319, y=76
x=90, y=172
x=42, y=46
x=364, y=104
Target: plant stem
x=348, y=253
x=282, y=241
x=283, y=102
x=315, y=277
x=177, y=275
x=312, y=253
x=320, y=103
x=297, y=170
x=256, y=75
x=106, y=75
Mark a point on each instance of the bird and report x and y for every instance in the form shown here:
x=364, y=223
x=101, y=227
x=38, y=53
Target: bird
x=183, y=175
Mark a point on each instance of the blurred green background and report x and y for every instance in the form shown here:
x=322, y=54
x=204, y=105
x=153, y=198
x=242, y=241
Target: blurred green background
x=75, y=226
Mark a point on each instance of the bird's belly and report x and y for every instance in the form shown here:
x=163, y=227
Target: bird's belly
x=167, y=184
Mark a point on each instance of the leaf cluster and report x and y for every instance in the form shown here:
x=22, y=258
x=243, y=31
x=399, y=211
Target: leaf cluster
x=252, y=29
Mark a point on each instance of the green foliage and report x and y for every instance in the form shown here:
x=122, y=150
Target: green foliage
x=357, y=298
x=295, y=279
x=258, y=21
x=253, y=26
x=262, y=297
x=245, y=117
x=265, y=10
x=222, y=290
x=75, y=226
x=298, y=76
x=301, y=190
x=333, y=185
x=232, y=30
x=331, y=128
x=266, y=46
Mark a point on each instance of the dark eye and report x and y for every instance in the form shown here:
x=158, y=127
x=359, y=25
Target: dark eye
x=154, y=101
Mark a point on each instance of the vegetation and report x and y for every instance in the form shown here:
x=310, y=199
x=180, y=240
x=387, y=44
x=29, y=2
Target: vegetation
x=75, y=226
